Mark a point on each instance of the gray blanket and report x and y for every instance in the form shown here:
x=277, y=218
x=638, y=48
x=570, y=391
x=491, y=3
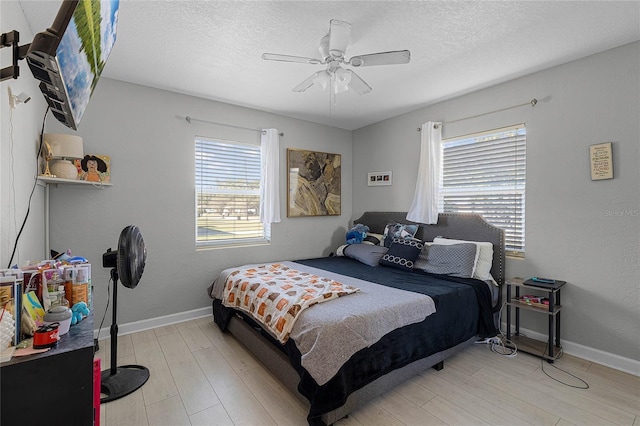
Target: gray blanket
x=328, y=334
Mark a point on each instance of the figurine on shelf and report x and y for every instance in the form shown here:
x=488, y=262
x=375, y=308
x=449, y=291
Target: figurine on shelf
x=48, y=156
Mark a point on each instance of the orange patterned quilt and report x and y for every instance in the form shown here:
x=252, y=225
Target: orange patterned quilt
x=275, y=294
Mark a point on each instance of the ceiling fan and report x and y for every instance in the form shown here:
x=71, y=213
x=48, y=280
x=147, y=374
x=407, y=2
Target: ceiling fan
x=332, y=48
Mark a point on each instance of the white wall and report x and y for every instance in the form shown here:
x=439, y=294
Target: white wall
x=18, y=152
x=582, y=231
x=152, y=159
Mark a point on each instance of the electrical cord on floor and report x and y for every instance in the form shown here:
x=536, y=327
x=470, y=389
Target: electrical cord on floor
x=586, y=385
x=500, y=344
x=35, y=182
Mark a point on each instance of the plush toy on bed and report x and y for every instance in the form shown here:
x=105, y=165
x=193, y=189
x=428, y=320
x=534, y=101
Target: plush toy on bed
x=357, y=234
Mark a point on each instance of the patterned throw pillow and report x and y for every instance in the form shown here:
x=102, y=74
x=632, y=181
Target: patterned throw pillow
x=484, y=256
x=456, y=260
x=375, y=239
x=402, y=253
x=398, y=230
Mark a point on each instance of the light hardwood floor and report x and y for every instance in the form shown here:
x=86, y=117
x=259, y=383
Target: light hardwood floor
x=201, y=376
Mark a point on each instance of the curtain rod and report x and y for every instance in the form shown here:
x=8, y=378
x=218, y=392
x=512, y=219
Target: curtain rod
x=532, y=102
x=190, y=119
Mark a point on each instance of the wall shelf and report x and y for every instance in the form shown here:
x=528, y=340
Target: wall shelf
x=59, y=181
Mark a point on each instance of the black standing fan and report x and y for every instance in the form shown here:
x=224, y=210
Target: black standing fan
x=128, y=264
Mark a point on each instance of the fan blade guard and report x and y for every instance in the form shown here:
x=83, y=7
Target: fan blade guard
x=132, y=255
x=382, y=58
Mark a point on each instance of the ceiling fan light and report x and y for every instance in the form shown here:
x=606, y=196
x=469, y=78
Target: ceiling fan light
x=340, y=81
x=322, y=80
x=340, y=88
x=343, y=77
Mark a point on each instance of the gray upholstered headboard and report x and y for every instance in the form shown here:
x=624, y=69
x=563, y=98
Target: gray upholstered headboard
x=459, y=226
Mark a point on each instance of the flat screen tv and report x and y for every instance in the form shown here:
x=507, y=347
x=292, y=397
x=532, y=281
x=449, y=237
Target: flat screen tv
x=69, y=57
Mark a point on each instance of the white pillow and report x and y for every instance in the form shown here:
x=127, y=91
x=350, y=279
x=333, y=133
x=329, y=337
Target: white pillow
x=484, y=256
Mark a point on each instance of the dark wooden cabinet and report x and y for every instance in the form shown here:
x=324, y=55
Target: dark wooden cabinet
x=55, y=387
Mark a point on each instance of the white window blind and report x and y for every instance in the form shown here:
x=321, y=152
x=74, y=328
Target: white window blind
x=484, y=173
x=227, y=183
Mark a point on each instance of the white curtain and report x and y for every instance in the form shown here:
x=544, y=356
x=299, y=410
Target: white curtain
x=424, y=208
x=270, y=181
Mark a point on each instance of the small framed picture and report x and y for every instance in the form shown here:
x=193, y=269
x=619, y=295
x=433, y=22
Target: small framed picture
x=94, y=168
x=379, y=179
x=601, y=161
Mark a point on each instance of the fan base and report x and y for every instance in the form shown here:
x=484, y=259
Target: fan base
x=128, y=378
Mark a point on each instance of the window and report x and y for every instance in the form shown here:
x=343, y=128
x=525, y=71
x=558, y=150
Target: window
x=484, y=173
x=228, y=193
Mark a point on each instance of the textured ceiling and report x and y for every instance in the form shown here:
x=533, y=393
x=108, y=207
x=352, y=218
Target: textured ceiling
x=212, y=49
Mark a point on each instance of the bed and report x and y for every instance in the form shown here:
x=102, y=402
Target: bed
x=464, y=310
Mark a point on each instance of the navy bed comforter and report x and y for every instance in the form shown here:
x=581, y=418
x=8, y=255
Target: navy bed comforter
x=463, y=310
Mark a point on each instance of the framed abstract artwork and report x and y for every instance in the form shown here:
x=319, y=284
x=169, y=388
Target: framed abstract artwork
x=313, y=183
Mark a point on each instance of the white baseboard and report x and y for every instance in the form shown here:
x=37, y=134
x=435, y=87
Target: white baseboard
x=134, y=327
x=598, y=356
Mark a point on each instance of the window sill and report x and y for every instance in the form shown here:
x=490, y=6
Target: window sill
x=227, y=245
x=514, y=256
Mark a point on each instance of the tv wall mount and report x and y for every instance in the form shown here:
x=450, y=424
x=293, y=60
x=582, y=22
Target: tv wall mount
x=11, y=39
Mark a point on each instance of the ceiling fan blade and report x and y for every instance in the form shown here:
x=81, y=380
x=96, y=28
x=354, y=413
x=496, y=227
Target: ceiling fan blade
x=358, y=84
x=382, y=58
x=289, y=58
x=339, y=32
x=307, y=83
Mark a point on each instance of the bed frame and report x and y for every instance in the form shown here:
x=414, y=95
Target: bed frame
x=451, y=225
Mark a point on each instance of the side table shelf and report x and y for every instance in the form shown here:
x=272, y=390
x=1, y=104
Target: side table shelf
x=547, y=350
